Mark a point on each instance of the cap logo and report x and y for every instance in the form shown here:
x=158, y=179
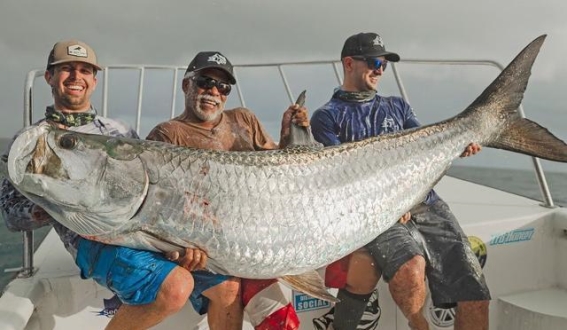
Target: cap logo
x=378, y=41
x=217, y=58
x=77, y=50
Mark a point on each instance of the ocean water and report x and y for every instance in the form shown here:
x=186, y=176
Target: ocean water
x=520, y=182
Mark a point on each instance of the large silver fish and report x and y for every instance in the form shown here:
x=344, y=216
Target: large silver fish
x=273, y=214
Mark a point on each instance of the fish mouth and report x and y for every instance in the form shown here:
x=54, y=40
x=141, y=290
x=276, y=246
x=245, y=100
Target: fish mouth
x=30, y=154
x=40, y=157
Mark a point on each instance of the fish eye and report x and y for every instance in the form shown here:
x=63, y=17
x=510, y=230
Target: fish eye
x=68, y=141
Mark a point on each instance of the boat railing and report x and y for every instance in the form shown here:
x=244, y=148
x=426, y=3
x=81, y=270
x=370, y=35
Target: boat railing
x=27, y=269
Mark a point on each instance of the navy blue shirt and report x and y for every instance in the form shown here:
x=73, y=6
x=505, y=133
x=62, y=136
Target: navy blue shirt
x=340, y=121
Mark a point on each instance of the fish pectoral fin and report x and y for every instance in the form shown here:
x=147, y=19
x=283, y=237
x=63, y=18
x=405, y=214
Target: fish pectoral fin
x=85, y=223
x=527, y=137
x=309, y=283
x=160, y=243
x=214, y=267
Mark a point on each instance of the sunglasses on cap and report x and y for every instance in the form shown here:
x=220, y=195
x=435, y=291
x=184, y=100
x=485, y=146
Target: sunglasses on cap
x=374, y=63
x=205, y=82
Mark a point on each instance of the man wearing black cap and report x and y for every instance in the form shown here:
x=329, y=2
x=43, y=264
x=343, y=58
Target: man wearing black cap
x=206, y=124
x=400, y=254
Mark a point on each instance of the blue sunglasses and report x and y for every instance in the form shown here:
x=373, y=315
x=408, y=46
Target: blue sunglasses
x=374, y=63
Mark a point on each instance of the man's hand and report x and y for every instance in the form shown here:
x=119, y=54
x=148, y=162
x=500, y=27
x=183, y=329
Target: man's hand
x=300, y=115
x=190, y=259
x=471, y=149
x=405, y=218
x=294, y=114
x=39, y=215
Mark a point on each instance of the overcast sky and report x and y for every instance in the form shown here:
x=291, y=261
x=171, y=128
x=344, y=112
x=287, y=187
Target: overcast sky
x=247, y=31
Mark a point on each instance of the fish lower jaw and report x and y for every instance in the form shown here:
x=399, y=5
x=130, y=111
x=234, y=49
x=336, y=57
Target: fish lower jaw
x=33, y=185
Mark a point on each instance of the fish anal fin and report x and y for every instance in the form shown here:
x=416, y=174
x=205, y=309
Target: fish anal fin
x=309, y=283
x=527, y=137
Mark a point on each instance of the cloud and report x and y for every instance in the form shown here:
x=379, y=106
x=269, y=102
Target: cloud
x=249, y=31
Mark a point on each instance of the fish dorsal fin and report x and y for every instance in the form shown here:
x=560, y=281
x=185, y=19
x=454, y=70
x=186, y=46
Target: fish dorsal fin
x=309, y=283
x=301, y=136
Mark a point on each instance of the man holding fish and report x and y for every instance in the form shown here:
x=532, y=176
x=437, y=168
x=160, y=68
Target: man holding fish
x=432, y=243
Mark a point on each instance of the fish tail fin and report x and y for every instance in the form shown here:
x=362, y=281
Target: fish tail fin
x=502, y=98
x=507, y=90
x=528, y=137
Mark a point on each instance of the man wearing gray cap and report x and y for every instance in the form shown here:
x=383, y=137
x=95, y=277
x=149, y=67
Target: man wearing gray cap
x=150, y=286
x=430, y=244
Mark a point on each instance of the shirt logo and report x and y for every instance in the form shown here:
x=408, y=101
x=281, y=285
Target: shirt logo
x=217, y=58
x=378, y=41
x=389, y=125
x=77, y=50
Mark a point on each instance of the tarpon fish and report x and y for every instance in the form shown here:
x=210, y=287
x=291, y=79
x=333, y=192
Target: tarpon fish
x=270, y=214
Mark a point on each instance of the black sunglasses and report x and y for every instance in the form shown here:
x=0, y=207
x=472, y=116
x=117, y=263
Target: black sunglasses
x=374, y=63
x=205, y=82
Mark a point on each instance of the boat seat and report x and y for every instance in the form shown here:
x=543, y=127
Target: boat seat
x=538, y=309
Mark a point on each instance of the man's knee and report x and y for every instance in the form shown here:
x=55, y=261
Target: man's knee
x=412, y=271
x=363, y=274
x=225, y=292
x=175, y=289
x=474, y=306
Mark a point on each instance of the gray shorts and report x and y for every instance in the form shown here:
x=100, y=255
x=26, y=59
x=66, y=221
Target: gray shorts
x=453, y=270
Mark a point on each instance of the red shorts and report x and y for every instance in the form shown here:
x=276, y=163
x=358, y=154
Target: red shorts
x=336, y=273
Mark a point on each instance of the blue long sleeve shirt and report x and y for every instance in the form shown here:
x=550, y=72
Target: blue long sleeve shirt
x=340, y=121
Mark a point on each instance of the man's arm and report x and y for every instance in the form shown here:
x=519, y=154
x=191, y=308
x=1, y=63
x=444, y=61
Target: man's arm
x=322, y=126
x=411, y=121
x=20, y=213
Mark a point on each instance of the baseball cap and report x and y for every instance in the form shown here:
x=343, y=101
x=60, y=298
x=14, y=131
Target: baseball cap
x=72, y=51
x=367, y=44
x=211, y=60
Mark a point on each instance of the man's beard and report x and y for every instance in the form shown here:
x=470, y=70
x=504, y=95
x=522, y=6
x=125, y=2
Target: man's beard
x=205, y=115
x=72, y=102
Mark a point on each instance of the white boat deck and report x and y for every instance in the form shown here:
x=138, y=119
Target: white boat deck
x=551, y=302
